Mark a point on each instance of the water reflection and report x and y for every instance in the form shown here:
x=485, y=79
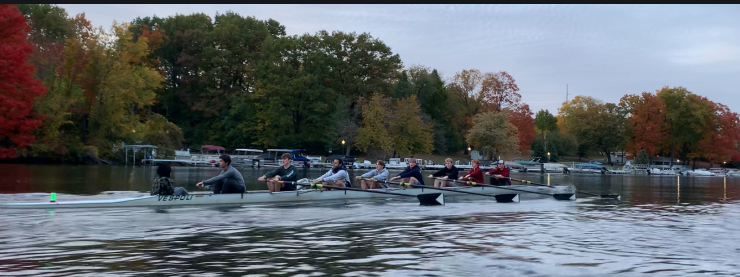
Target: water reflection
x=678, y=189
x=685, y=226
x=540, y=238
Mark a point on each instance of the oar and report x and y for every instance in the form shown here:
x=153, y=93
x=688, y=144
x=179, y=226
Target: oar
x=558, y=196
x=426, y=199
x=615, y=196
x=505, y=198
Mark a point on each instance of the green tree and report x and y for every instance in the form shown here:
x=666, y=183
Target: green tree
x=493, y=134
x=374, y=130
x=466, y=99
x=403, y=87
x=597, y=126
x=545, y=122
x=124, y=93
x=688, y=118
x=164, y=134
x=642, y=157
x=410, y=135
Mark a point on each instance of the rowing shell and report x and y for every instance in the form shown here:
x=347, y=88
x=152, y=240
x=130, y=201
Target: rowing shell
x=267, y=197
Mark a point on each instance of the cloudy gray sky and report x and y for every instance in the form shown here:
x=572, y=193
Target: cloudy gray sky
x=603, y=51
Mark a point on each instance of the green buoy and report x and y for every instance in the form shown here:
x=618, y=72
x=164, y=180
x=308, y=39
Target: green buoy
x=53, y=197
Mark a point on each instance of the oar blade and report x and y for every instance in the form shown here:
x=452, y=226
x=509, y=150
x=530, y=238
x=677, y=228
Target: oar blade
x=562, y=196
x=505, y=198
x=611, y=196
x=431, y=199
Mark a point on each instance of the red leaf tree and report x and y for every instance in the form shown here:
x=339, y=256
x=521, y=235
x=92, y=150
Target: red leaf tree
x=522, y=117
x=649, y=129
x=719, y=145
x=18, y=88
x=500, y=92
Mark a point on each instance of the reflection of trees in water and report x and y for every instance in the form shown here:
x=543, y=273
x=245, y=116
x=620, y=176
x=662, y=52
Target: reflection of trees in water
x=15, y=179
x=674, y=190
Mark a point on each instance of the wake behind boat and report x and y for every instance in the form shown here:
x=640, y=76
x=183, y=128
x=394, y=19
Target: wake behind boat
x=263, y=196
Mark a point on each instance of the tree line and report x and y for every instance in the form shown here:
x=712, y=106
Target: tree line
x=236, y=81
x=672, y=122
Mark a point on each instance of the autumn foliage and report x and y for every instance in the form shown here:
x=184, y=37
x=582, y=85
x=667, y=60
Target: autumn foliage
x=18, y=87
x=649, y=129
x=238, y=81
x=522, y=117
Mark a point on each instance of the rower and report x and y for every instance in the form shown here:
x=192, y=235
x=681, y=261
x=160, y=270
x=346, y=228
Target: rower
x=475, y=174
x=164, y=185
x=286, y=172
x=501, y=171
x=377, y=175
x=228, y=181
x=336, y=176
x=411, y=174
x=449, y=171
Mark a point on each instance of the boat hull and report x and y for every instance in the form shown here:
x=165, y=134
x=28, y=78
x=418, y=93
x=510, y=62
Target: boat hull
x=277, y=197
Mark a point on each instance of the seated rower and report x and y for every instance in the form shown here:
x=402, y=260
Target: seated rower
x=475, y=174
x=163, y=185
x=448, y=172
x=501, y=171
x=228, y=181
x=411, y=174
x=336, y=176
x=287, y=172
x=379, y=174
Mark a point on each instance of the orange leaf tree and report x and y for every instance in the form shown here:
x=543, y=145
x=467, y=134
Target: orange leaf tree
x=647, y=128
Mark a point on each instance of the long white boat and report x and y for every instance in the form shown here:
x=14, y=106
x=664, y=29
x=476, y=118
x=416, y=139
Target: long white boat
x=264, y=196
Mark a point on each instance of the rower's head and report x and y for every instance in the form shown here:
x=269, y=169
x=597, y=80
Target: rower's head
x=475, y=163
x=412, y=163
x=224, y=161
x=501, y=164
x=448, y=163
x=380, y=165
x=285, y=158
x=164, y=170
x=338, y=163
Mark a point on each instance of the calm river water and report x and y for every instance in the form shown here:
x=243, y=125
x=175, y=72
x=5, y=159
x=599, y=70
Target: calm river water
x=664, y=226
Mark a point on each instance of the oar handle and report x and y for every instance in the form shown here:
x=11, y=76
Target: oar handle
x=525, y=181
x=280, y=181
x=462, y=182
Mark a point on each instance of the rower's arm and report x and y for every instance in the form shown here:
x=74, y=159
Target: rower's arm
x=408, y=174
x=272, y=173
x=439, y=173
x=340, y=175
x=326, y=175
x=229, y=173
x=382, y=176
x=370, y=174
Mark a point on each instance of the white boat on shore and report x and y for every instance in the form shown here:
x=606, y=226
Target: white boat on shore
x=263, y=196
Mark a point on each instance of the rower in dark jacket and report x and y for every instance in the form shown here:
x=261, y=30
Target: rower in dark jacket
x=448, y=172
x=286, y=172
x=412, y=174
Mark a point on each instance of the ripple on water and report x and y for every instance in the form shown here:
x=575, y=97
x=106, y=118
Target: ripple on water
x=538, y=238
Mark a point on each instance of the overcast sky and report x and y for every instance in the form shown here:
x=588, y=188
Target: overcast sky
x=603, y=51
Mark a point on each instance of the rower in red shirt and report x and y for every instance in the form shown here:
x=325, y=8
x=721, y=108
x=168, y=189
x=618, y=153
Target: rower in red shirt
x=501, y=174
x=475, y=174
